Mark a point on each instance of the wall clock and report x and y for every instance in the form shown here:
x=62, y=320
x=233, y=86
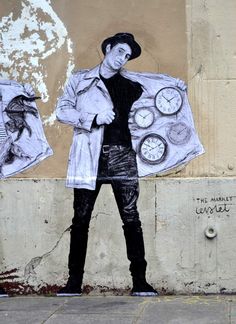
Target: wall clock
x=144, y=117
x=168, y=100
x=179, y=133
x=152, y=148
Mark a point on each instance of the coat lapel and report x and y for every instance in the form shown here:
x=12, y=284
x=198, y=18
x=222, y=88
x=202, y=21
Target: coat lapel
x=92, y=78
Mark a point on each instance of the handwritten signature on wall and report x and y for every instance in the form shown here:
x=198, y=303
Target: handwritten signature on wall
x=214, y=205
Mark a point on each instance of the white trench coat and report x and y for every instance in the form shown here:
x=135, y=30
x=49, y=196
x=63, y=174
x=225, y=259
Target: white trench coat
x=85, y=95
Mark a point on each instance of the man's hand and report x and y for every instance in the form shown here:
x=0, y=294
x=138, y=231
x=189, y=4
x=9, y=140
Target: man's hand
x=181, y=85
x=105, y=117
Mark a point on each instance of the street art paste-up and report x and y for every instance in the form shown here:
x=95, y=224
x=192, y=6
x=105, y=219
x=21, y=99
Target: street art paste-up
x=126, y=125
x=162, y=126
x=22, y=140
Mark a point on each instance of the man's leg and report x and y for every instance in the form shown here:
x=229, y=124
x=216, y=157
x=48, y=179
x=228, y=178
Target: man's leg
x=84, y=201
x=126, y=191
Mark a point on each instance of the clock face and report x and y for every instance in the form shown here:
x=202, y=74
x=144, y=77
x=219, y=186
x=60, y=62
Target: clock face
x=152, y=148
x=168, y=100
x=144, y=117
x=179, y=133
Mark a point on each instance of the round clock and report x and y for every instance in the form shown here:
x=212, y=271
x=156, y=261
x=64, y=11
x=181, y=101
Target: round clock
x=144, y=117
x=152, y=148
x=179, y=133
x=168, y=100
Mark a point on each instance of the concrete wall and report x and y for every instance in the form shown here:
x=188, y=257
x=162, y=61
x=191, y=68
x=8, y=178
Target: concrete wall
x=36, y=215
x=211, y=78
x=192, y=40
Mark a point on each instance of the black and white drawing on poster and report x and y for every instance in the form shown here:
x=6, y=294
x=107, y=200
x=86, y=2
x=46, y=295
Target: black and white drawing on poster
x=22, y=140
x=126, y=125
x=160, y=123
x=162, y=126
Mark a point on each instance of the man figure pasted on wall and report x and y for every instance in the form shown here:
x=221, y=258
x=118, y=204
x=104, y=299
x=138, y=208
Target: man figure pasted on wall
x=101, y=104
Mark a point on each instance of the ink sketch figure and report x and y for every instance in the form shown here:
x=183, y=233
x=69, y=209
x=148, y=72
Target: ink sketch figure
x=97, y=103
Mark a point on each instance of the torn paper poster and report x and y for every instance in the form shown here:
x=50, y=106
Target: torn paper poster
x=22, y=139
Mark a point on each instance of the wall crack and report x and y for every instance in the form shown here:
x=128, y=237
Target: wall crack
x=34, y=263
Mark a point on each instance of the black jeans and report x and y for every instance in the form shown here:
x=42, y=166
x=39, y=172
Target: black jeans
x=117, y=166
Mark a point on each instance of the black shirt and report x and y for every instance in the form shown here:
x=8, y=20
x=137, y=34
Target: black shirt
x=124, y=93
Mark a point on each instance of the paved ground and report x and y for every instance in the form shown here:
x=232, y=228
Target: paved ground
x=121, y=309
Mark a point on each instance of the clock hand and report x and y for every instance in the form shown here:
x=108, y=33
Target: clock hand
x=147, y=115
x=172, y=98
x=175, y=131
x=165, y=98
x=181, y=131
x=148, y=145
x=153, y=147
x=141, y=115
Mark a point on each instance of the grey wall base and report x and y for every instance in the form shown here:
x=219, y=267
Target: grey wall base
x=35, y=216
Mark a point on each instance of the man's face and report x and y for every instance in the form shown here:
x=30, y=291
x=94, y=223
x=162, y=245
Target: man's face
x=117, y=56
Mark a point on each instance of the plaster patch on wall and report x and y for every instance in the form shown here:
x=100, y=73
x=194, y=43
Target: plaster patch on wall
x=29, y=39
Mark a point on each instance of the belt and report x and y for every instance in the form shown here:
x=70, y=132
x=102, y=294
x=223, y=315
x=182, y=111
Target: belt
x=106, y=147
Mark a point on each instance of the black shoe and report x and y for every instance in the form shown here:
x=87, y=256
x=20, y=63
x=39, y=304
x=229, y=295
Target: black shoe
x=71, y=289
x=3, y=293
x=143, y=289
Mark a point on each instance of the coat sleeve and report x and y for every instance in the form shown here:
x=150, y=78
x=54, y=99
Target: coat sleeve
x=67, y=111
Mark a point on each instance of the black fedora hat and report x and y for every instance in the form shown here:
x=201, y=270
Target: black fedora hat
x=123, y=38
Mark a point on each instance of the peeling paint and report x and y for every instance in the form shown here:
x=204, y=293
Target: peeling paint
x=49, y=121
x=29, y=39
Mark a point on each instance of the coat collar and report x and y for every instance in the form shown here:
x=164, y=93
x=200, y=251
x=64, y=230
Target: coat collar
x=94, y=75
x=95, y=72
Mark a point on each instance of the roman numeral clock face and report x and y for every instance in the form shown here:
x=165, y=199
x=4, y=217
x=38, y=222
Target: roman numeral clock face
x=152, y=148
x=168, y=101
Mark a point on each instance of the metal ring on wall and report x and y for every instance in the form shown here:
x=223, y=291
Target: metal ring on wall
x=210, y=232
